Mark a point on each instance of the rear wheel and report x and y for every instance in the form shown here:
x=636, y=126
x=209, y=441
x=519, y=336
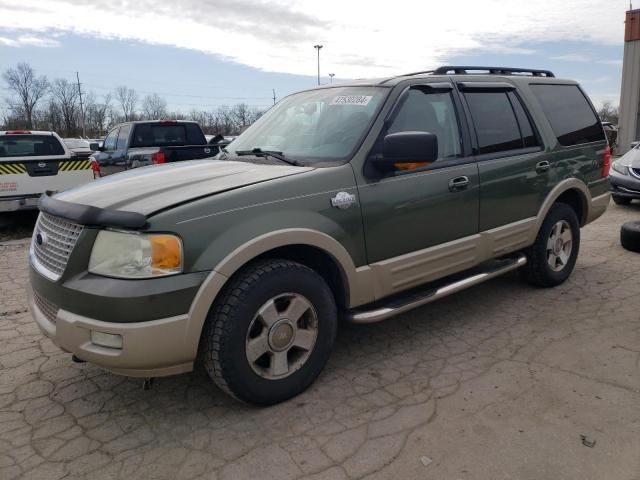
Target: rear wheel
x=550, y=260
x=270, y=333
x=621, y=200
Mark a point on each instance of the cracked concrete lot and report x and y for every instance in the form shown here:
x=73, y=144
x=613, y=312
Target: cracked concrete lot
x=497, y=382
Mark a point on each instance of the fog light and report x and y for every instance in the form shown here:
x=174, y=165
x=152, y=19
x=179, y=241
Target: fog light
x=108, y=340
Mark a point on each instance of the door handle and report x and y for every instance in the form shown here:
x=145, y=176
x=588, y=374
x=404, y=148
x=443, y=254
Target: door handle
x=543, y=166
x=458, y=183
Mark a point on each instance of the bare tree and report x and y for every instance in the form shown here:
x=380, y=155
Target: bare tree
x=154, y=107
x=127, y=98
x=65, y=94
x=608, y=113
x=29, y=89
x=97, y=113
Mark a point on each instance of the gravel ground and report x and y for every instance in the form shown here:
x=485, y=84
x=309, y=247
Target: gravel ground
x=502, y=381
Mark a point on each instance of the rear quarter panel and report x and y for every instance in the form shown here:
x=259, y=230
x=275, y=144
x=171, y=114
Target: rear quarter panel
x=583, y=162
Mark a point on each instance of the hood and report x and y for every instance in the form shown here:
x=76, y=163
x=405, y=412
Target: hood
x=631, y=158
x=149, y=189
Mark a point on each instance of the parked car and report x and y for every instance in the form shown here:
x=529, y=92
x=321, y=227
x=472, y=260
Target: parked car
x=357, y=202
x=80, y=148
x=138, y=144
x=625, y=177
x=33, y=162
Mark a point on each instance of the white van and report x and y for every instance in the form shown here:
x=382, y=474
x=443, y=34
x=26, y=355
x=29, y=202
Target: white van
x=32, y=163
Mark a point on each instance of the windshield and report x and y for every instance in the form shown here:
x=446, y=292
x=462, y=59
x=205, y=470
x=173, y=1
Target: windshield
x=29, y=145
x=76, y=143
x=319, y=125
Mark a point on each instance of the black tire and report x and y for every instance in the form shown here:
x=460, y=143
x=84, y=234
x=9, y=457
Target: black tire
x=538, y=271
x=630, y=236
x=223, y=343
x=621, y=200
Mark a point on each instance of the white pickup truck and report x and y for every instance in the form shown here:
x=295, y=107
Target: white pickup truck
x=32, y=163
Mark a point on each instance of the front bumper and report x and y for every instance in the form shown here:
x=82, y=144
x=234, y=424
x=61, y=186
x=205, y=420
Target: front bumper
x=14, y=204
x=626, y=186
x=153, y=348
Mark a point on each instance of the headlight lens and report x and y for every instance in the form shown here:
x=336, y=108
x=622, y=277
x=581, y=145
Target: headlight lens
x=134, y=255
x=618, y=167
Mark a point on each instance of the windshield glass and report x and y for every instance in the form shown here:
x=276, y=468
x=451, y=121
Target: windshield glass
x=315, y=125
x=29, y=145
x=76, y=143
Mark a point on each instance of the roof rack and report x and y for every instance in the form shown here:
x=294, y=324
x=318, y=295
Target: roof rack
x=469, y=70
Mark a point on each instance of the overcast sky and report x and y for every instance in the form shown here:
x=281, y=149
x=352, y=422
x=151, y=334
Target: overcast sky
x=233, y=39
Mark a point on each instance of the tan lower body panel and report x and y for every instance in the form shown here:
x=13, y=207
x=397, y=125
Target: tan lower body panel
x=410, y=270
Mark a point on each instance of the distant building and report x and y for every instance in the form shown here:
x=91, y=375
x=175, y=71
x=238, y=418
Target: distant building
x=629, y=120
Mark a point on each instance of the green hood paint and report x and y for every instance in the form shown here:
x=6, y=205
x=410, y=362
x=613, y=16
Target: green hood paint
x=149, y=189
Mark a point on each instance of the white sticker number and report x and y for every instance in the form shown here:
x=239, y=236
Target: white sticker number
x=352, y=100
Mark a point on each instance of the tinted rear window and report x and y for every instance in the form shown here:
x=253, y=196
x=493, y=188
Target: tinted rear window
x=159, y=135
x=29, y=146
x=495, y=122
x=570, y=115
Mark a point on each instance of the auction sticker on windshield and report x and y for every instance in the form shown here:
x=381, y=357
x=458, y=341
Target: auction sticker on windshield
x=352, y=100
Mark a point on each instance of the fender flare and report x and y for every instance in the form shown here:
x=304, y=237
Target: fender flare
x=218, y=277
x=554, y=194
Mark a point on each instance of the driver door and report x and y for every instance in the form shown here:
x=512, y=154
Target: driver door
x=421, y=221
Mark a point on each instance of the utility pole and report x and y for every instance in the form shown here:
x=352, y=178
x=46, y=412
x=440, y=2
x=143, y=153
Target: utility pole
x=84, y=133
x=318, y=47
x=331, y=75
x=274, y=95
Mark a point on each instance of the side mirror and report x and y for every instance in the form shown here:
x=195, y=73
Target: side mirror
x=407, y=147
x=94, y=146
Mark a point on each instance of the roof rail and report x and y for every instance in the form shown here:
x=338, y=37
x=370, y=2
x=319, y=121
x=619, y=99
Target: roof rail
x=468, y=70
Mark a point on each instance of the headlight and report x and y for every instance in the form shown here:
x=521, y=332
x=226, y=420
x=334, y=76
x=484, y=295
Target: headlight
x=618, y=167
x=135, y=255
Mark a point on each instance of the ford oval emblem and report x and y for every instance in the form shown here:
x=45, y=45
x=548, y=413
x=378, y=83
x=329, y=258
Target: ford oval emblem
x=42, y=164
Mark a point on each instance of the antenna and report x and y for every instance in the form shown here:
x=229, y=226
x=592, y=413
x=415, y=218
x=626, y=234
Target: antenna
x=274, y=95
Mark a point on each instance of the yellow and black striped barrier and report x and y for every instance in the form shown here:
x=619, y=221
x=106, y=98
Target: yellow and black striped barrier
x=12, y=168
x=19, y=168
x=74, y=165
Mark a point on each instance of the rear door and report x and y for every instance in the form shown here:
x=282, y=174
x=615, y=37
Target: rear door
x=511, y=161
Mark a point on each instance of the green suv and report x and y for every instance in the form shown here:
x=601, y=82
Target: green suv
x=353, y=202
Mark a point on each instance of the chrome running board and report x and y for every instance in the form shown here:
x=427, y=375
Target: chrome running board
x=404, y=302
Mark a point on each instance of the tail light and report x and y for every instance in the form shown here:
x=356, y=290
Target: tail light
x=95, y=167
x=158, y=158
x=606, y=165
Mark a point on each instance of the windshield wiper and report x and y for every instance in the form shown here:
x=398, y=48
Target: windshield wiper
x=258, y=152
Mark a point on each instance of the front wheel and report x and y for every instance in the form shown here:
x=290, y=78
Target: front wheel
x=550, y=260
x=270, y=333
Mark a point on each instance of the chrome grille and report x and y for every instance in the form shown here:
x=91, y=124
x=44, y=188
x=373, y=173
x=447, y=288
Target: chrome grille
x=47, y=308
x=635, y=172
x=53, y=241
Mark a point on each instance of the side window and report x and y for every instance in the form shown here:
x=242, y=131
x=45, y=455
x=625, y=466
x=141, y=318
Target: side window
x=571, y=117
x=529, y=138
x=495, y=122
x=110, y=140
x=433, y=112
x=123, y=136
